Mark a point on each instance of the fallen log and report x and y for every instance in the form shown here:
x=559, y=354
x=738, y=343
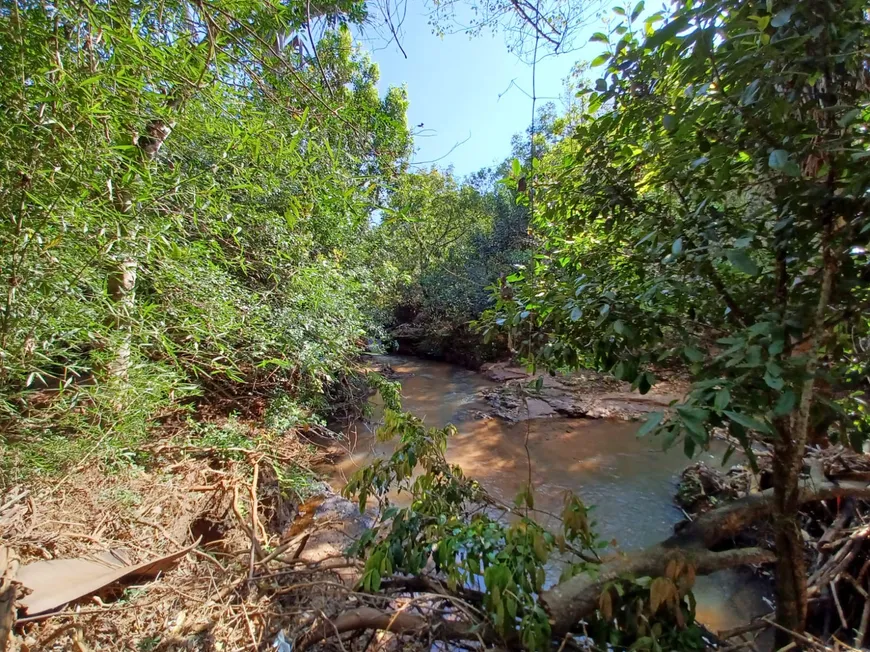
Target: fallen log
x=577, y=598
x=397, y=622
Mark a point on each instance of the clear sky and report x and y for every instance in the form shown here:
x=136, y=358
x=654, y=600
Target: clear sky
x=459, y=88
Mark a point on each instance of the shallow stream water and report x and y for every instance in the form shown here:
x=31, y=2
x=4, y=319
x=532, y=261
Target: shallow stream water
x=630, y=481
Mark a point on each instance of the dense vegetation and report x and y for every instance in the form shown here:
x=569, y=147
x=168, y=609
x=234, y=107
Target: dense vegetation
x=189, y=199
x=207, y=202
x=712, y=213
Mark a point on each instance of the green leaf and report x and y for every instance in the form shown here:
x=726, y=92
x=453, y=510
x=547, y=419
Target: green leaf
x=750, y=94
x=599, y=37
x=741, y=260
x=645, y=382
x=619, y=370
x=856, y=440
x=651, y=423
x=600, y=59
x=848, y=118
x=601, y=85
x=781, y=18
x=693, y=354
x=774, y=382
x=650, y=21
x=693, y=413
x=666, y=32
x=670, y=122
x=669, y=438
x=776, y=347
x=689, y=447
x=723, y=398
x=638, y=8
x=778, y=159
x=748, y=422
x=785, y=404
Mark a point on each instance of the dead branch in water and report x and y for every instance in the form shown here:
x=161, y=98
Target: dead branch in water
x=577, y=598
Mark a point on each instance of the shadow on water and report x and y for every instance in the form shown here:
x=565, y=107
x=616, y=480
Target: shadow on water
x=630, y=481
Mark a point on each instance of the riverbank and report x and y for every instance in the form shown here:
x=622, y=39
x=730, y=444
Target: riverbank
x=269, y=540
x=521, y=394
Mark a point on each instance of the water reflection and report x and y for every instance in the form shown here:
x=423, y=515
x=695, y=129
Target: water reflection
x=630, y=482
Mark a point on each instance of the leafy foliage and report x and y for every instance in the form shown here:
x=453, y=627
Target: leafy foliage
x=444, y=531
x=190, y=202
x=449, y=241
x=684, y=219
x=435, y=529
x=711, y=212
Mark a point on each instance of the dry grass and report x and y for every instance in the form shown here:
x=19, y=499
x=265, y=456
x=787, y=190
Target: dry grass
x=241, y=585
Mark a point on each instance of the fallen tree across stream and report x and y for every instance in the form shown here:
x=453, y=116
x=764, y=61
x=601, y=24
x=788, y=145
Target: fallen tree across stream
x=577, y=598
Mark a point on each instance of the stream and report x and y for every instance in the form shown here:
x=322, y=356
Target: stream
x=630, y=481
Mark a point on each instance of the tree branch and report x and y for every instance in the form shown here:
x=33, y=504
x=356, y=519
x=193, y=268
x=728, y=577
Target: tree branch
x=398, y=622
x=535, y=25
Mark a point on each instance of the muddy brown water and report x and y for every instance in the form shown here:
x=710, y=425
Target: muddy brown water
x=630, y=481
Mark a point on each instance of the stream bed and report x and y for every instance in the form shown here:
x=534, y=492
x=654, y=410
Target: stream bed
x=630, y=481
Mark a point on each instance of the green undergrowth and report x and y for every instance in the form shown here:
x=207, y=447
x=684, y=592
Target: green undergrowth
x=502, y=552
x=71, y=429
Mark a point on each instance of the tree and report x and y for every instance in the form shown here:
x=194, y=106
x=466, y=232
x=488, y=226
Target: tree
x=430, y=216
x=189, y=207
x=528, y=26
x=711, y=212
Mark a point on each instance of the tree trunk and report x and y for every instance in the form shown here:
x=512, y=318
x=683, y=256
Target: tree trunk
x=121, y=286
x=791, y=572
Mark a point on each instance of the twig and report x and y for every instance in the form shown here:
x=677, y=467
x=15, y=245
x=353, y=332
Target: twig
x=861, y=634
x=283, y=548
x=800, y=637
x=743, y=629
x=838, y=605
x=255, y=545
x=301, y=547
x=314, y=50
x=14, y=500
x=337, y=633
x=239, y=516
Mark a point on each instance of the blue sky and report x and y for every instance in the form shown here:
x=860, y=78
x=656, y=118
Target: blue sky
x=454, y=86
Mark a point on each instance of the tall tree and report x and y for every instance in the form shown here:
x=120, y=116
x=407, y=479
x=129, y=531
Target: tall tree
x=711, y=211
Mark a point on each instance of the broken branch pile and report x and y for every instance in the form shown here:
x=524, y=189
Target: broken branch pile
x=208, y=544
x=835, y=521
